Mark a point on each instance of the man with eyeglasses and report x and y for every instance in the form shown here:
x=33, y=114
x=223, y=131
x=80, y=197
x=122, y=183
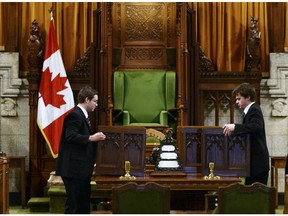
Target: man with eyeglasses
x=77, y=153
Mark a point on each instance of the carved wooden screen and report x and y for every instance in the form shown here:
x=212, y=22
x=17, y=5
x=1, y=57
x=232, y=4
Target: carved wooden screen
x=189, y=144
x=231, y=155
x=121, y=144
x=142, y=32
x=199, y=145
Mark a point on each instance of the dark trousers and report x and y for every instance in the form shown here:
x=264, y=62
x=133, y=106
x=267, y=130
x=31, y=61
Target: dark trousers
x=78, y=195
x=262, y=178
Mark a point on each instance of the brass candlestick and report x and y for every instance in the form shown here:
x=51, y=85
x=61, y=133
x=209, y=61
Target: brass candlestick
x=211, y=176
x=127, y=175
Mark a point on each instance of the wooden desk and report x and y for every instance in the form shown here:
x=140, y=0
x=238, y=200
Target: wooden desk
x=276, y=163
x=19, y=162
x=179, y=186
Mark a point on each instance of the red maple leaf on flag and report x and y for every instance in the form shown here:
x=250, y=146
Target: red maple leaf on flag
x=49, y=89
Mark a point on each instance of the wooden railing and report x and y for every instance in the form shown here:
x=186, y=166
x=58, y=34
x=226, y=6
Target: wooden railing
x=4, y=185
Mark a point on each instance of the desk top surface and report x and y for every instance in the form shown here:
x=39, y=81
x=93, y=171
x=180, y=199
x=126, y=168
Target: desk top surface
x=191, y=181
x=187, y=178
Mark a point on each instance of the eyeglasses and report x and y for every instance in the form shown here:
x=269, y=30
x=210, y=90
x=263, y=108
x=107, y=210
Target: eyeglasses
x=94, y=100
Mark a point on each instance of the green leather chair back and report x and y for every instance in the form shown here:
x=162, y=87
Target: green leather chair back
x=241, y=199
x=150, y=198
x=144, y=94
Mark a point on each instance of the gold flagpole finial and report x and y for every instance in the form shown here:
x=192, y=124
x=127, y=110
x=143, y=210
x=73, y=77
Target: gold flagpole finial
x=51, y=10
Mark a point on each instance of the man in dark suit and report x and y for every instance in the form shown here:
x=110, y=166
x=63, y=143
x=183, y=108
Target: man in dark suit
x=253, y=123
x=77, y=153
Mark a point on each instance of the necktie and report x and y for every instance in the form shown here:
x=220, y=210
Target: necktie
x=244, y=115
x=88, y=120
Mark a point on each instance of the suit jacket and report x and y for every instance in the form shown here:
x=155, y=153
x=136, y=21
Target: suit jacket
x=253, y=123
x=77, y=155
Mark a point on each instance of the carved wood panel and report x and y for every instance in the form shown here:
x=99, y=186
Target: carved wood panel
x=143, y=31
x=200, y=145
x=189, y=144
x=231, y=155
x=121, y=144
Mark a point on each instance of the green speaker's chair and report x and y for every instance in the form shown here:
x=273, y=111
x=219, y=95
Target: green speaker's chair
x=251, y=199
x=144, y=98
x=149, y=198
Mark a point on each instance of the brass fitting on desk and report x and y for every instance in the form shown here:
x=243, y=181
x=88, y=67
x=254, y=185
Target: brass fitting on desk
x=127, y=176
x=211, y=176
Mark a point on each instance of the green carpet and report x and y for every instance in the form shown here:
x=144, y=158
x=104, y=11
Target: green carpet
x=19, y=210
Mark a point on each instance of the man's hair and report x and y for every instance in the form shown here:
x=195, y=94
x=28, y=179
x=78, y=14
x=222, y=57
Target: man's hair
x=86, y=92
x=246, y=90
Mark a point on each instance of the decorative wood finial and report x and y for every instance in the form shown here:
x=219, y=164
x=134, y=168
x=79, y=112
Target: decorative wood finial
x=51, y=10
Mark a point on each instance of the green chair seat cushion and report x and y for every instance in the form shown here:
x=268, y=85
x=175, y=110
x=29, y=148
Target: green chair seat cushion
x=39, y=201
x=58, y=190
x=39, y=204
x=150, y=139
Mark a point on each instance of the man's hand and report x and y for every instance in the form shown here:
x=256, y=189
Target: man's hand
x=228, y=129
x=97, y=137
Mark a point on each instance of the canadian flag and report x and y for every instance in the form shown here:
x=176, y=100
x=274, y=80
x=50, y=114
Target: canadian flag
x=55, y=99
